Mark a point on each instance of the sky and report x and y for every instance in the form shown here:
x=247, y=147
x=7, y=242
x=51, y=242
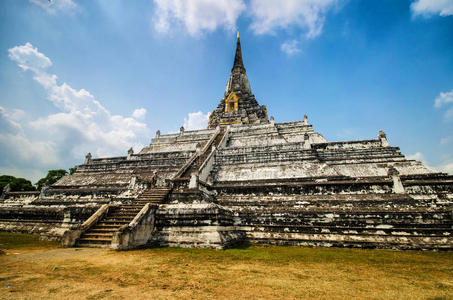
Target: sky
x=101, y=76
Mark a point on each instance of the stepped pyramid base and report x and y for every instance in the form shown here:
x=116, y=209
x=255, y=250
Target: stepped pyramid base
x=247, y=177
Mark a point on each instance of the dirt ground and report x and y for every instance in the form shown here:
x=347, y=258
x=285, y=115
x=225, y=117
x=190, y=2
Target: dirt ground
x=30, y=269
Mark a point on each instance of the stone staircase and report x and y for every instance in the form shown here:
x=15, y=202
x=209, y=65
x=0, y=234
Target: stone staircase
x=101, y=234
x=196, y=164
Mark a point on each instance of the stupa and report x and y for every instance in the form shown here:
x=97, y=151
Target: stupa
x=246, y=178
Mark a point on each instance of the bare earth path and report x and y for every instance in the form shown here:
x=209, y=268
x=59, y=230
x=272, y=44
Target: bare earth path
x=40, y=270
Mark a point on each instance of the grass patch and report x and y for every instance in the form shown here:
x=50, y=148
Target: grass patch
x=245, y=272
x=99, y=295
x=8, y=278
x=10, y=240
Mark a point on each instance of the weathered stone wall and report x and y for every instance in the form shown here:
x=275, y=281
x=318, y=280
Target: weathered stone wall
x=192, y=220
x=286, y=185
x=294, y=150
x=48, y=221
x=138, y=233
x=342, y=220
x=276, y=183
x=184, y=141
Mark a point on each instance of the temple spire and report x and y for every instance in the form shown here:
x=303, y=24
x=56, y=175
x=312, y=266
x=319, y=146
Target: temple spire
x=238, y=63
x=238, y=105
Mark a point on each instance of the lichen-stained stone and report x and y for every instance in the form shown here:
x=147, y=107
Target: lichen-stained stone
x=201, y=225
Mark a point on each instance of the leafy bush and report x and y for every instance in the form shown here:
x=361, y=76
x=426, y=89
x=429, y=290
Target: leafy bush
x=52, y=177
x=16, y=184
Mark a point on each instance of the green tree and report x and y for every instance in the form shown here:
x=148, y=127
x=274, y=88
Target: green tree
x=5, y=179
x=52, y=177
x=72, y=170
x=16, y=184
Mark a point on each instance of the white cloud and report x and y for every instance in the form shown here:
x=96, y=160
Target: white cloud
x=290, y=47
x=55, y=5
x=26, y=150
x=197, y=15
x=446, y=165
x=82, y=125
x=449, y=114
x=28, y=57
x=196, y=120
x=432, y=7
x=139, y=113
x=444, y=98
x=18, y=115
x=7, y=123
x=309, y=15
x=447, y=168
x=18, y=150
x=416, y=156
x=446, y=140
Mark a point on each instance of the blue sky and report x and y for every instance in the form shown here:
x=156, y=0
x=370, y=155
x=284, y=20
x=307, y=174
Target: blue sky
x=102, y=76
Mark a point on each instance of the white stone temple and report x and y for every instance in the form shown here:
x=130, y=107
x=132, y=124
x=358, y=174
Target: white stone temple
x=245, y=178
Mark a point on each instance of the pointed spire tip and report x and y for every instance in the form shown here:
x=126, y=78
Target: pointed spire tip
x=238, y=64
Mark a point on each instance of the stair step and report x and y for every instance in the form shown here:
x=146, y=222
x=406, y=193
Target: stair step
x=95, y=240
x=144, y=201
x=160, y=194
x=118, y=220
x=101, y=234
x=163, y=194
x=111, y=222
x=131, y=207
x=130, y=210
x=101, y=231
x=90, y=245
x=123, y=215
x=154, y=194
x=119, y=216
x=105, y=226
x=95, y=234
x=147, y=200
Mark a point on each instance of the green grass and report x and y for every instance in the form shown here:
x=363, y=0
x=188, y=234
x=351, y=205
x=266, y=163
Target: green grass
x=10, y=240
x=288, y=254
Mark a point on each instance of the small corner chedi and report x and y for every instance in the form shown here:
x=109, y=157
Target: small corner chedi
x=245, y=178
